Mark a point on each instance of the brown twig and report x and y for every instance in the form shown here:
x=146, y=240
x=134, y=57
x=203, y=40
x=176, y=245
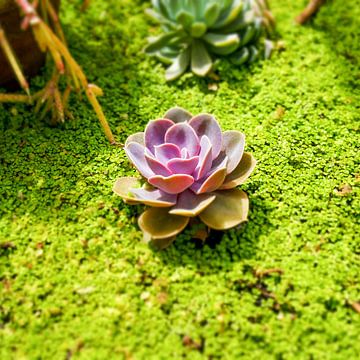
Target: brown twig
x=355, y=306
x=261, y=273
x=311, y=9
x=85, y=5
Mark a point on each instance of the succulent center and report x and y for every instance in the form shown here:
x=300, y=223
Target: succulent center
x=198, y=29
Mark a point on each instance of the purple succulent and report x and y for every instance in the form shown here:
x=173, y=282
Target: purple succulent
x=191, y=169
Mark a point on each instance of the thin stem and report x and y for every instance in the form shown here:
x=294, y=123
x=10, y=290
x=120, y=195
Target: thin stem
x=15, y=98
x=55, y=44
x=100, y=114
x=11, y=57
x=311, y=9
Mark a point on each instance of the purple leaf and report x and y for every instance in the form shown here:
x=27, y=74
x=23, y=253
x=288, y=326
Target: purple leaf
x=166, y=152
x=205, y=158
x=241, y=173
x=136, y=154
x=155, y=132
x=220, y=161
x=205, y=124
x=189, y=204
x=123, y=186
x=137, y=137
x=233, y=145
x=212, y=181
x=154, y=197
x=156, y=166
x=183, y=166
x=183, y=136
x=173, y=184
x=178, y=114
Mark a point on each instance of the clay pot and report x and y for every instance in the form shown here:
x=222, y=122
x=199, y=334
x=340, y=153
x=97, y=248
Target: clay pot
x=22, y=42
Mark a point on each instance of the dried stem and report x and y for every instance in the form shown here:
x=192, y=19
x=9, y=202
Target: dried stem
x=50, y=98
x=15, y=98
x=312, y=8
x=11, y=57
x=85, y=5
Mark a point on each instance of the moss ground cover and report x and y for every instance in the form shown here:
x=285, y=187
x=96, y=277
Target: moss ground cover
x=75, y=279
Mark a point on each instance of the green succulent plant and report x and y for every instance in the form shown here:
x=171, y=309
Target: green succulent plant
x=196, y=32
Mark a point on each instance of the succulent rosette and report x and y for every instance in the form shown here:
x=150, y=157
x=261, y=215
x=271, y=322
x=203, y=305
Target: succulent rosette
x=197, y=32
x=189, y=168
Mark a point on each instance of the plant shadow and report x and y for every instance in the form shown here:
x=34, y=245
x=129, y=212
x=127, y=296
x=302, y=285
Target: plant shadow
x=221, y=250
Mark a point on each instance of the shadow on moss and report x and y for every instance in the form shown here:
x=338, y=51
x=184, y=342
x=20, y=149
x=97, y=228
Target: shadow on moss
x=222, y=249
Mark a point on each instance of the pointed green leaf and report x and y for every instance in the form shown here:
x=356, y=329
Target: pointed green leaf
x=154, y=15
x=229, y=209
x=172, y=8
x=179, y=66
x=159, y=42
x=159, y=224
x=167, y=60
x=240, y=57
x=199, y=8
x=269, y=47
x=170, y=51
x=191, y=5
x=222, y=44
x=236, y=26
x=212, y=13
x=230, y=14
x=221, y=40
x=248, y=34
x=201, y=62
x=163, y=7
x=185, y=19
x=254, y=53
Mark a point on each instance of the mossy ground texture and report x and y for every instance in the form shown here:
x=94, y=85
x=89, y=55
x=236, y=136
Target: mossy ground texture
x=76, y=281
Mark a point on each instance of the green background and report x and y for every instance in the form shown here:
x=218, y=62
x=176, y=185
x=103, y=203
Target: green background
x=76, y=281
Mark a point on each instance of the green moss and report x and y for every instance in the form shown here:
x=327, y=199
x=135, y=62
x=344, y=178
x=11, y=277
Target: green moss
x=76, y=280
